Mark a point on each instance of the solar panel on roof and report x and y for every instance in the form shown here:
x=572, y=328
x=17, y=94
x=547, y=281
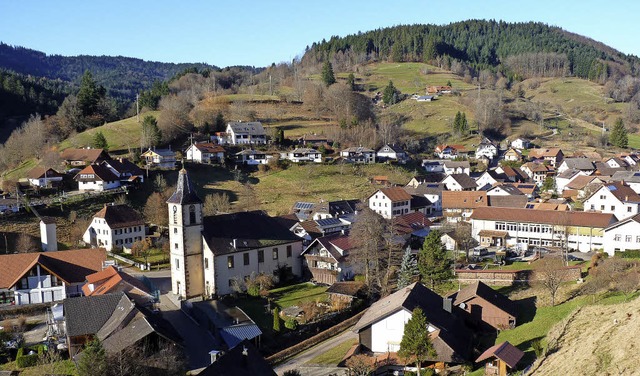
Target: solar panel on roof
x=612, y=188
x=303, y=205
x=328, y=221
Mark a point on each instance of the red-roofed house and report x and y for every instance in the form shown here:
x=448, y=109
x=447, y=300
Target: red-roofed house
x=96, y=178
x=326, y=259
x=29, y=278
x=41, y=177
x=390, y=202
x=115, y=227
x=111, y=280
x=205, y=152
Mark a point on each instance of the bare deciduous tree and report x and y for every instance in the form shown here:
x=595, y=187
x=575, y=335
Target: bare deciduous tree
x=26, y=243
x=216, y=203
x=550, y=273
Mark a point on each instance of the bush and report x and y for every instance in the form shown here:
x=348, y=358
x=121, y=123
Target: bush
x=537, y=347
x=630, y=253
x=291, y=324
x=24, y=361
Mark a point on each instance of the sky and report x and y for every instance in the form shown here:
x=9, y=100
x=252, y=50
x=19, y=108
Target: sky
x=258, y=33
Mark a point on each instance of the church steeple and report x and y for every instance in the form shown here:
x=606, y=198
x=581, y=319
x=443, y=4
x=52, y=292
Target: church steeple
x=185, y=193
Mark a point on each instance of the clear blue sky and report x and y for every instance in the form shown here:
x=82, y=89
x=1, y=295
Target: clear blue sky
x=228, y=32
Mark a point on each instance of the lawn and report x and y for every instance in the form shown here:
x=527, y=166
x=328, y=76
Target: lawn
x=332, y=356
x=296, y=294
x=63, y=367
x=21, y=170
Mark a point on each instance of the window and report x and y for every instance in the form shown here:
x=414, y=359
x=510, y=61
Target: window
x=627, y=238
x=617, y=237
x=629, y=209
x=289, y=251
x=601, y=207
x=603, y=197
x=613, y=208
x=177, y=264
x=192, y=214
x=175, y=246
x=261, y=256
x=230, y=262
x=206, y=263
x=175, y=215
x=275, y=253
x=245, y=257
x=637, y=239
x=175, y=230
x=593, y=207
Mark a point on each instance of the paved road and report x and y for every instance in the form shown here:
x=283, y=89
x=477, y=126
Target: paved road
x=298, y=362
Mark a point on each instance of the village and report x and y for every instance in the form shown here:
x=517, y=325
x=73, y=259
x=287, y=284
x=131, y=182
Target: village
x=216, y=303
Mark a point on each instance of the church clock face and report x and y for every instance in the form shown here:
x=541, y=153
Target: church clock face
x=175, y=208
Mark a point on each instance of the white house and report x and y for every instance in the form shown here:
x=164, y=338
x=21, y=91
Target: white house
x=381, y=328
x=326, y=259
x=391, y=152
x=582, y=231
x=456, y=167
x=433, y=165
x=96, y=178
x=538, y=172
x=487, y=149
x=615, y=198
x=205, y=152
x=160, y=158
x=390, y=202
x=212, y=256
x=302, y=155
x=520, y=143
x=358, y=154
x=45, y=277
x=252, y=157
x=459, y=182
x=630, y=178
x=566, y=177
x=616, y=162
x=125, y=170
x=622, y=235
x=41, y=177
x=445, y=151
x=513, y=155
x=115, y=227
x=246, y=133
x=580, y=164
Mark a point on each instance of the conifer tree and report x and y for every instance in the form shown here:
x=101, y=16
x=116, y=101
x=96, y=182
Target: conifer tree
x=276, y=320
x=619, y=136
x=327, y=74
x=433, y=262
x=408, y=268
x=88, y=96
x=100, y=142
x=93, y=361
x=416, y=344
x=390, y=94
x=351, y=81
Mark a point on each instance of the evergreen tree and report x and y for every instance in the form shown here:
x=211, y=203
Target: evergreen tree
x=276, y=320
x=619, y=136
x=433, y=262
x=93, y=361
x=151, y=135
x=220, y=125
x=327, y=74
x=351, y=81
x=88, y=96
x=456, y=123
x=408, y=268
x=390, y=94
x=415, y=343
x=100, y=142
x=464, y=125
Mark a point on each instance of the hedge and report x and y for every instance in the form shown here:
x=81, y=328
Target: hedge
x=24, y=361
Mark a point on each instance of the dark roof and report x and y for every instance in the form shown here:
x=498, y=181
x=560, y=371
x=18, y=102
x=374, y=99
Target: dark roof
x=503, y=351
x=464, y=180
x=39, y=172
x=419, y=202
x=582, y=164
x=479, y=289
x=185, y=193
x=124, y=166
x=394, y=147
x=336, y=244
x=287, y=220
x=349, y=288
x=100, y=172
x=87, y=314
x=604, y=169
x=208, y=147
x=118, y=216
x=552, y=217
x=86, y=155
x=250, y=230
x=253, y=128
x=234, y=362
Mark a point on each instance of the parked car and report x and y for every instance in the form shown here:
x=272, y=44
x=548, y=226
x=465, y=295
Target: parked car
x=479, y=251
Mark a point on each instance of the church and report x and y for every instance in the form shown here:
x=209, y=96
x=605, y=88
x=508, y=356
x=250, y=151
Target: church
x=210, y=254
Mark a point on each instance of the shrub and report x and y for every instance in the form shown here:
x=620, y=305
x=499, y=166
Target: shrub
x=24, y=361
x=630, y=253
x=538, y=349
x=291, y=324
x=276, y=320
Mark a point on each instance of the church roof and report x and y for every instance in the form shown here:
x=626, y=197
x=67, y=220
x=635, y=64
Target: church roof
x=185, y=193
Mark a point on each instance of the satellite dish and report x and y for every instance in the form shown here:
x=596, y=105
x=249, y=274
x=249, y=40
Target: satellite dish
x=462, y=305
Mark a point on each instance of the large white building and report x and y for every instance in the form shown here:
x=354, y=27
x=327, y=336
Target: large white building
x=205, y=152
x=390, y=202
x=622, y=236
x=209, y=255
x=115, y=227
x=615, y=198
x=97, y=178
x=246, y=133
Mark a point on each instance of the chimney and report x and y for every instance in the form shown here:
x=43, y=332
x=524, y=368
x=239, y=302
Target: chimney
x=48, y=238
x=235, y=242
x=214, y=355
x=447, y=304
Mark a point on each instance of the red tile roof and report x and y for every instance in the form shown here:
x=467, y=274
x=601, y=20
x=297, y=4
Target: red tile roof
x=464, y=199
x=100, y=173
x=209, y=147
x=106, y=280
x=395, y=194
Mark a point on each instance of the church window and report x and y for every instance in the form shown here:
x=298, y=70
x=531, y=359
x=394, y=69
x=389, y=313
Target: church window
x=230, y=262
x=275, y=253
x=289, y=251
x=246, y=258
x=260, y=256
x=175, y=230
x=192, y=214
x=175, y=214
x=175, y=245
x=177, y=264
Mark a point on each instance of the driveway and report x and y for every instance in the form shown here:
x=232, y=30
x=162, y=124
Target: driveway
x=299, y=361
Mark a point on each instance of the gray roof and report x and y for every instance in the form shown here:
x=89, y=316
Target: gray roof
x=235, y=334
x=251, y=152
x=185, y=193
x=393, y=147
x=514, y=201
x=328, y=222
x=568, y=174
x=456, y=164
x=583, y=164
x=464, y=180
x=253, y=128
x=87, y=314
x=357, y=149
x=234, y=363
x=627, y=176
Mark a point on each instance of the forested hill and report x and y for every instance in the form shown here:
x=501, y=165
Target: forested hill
x=512, y=48
x=122, y=76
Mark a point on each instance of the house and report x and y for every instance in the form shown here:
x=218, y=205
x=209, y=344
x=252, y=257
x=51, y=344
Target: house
x=565, y=177
x=488, y=179
x=160, y=158
x=126, y=171
x=616, y=162
x=314, y=228
x=205, y=152
x=315, y=140
x=10, y=205
x=243, y=359
x=445, y=151
x=503, y=355
x=342, y=209
x=580, y=164
x=459, y=182
x=583, y=185
x=252, y=157
x=512, y=174
x=504, y=190
x=456, y=167
x=381, y=328
x=433, y=165
x=29, y=278
x=111, y=281
x=211, y=255
x=582, y=231
x=432, y=192
x=552, y=155
x=520, y=143
x=115, y=227
x=83, y=157
x=486, y=306
x=513, y=154
x=246, y=133
x=459, y=205
x=487, y=149
x=302, y=155
x=631, y=178
x=439, y=89
x=425, y=98
x=326, y=259
x=457, y=239
x=390, y=202
x=391, y=152
x=603, y=170
x=346, y=291
x=510, y=201
x=119, y=324
x=615, y=198
x=230, y=326
x=527, y=189
x=43, y=178
x=538, y=172
x=358, y=155
x=622, y=235
x=96, y=178
x=429, y=178
x=220, y=138
x=413, y=226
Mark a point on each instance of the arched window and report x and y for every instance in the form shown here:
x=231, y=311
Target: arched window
x=192, y=214
x=175, y=214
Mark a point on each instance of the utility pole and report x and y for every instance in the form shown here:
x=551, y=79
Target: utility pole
x=138, y=107
x=270, y=89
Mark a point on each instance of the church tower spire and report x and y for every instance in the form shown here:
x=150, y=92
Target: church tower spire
x=185, y=238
